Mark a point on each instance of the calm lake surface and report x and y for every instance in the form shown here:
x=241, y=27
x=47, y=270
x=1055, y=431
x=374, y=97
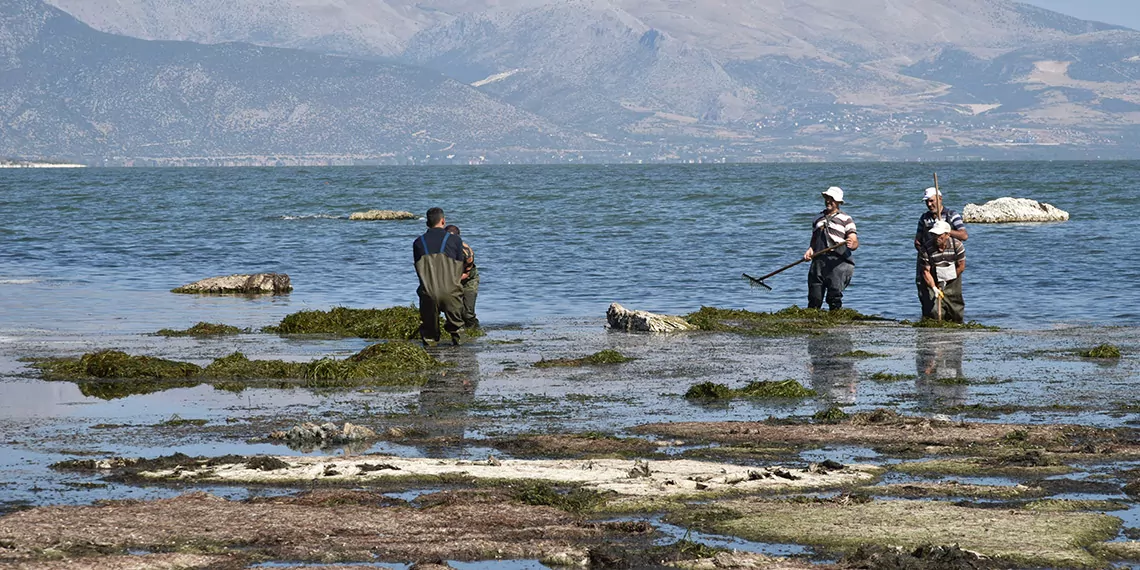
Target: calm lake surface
x=97, y=250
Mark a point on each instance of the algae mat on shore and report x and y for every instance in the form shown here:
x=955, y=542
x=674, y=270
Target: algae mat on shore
x=1018, y=537
x=110, y=374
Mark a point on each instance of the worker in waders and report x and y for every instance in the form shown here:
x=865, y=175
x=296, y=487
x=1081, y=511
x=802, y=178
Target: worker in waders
x=935, y=211
x=438, y=256
x=831, y=272
x=943, y=259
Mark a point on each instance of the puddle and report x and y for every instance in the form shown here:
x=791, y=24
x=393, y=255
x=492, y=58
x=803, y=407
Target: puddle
x=674, y=533
x=845, y=455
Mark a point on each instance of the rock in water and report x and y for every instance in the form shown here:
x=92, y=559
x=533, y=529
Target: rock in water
x=1005, y=210
x=256, y=284
x=382, y=215
x=621, y=318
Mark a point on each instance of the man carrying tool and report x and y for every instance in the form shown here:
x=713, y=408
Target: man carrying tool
x=934, y=212
x=942, y=260
x=831, y=271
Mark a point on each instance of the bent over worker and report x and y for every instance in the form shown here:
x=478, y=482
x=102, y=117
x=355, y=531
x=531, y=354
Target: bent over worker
x=439, y=264
x=942, y=259
x=935, y=211
x=831, y=272
x=469, y=280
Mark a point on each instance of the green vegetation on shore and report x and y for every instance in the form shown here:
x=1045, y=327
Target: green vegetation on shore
x=755, y=389
x=789, y=321
x=110, y=374
x=394, y=323
x=1101, y=351
x=602, y=357
x=202, y=329
x=926, y=323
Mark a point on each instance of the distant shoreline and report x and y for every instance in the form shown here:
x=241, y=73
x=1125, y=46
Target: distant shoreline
x=40, y=165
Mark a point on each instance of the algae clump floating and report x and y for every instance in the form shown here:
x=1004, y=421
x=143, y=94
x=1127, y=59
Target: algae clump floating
x=601, y=357
x=755, y=389
x=1101, y=351
x=789, y=321
x=202, y=329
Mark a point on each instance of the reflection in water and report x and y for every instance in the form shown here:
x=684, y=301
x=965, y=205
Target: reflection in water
x=448, y=395
x=832, y=375
x=938, y=367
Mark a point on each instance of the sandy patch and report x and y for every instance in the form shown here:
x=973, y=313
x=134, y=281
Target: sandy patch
x=625, y=477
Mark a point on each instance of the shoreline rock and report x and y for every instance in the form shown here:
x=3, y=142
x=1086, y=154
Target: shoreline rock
x=241, y=284
x=623, y=319
x=1007, y=210
x=383, y=215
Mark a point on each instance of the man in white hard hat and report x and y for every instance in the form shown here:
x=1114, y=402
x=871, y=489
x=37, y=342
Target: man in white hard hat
x=831, y=272
x=943, y=260
x=933, y=199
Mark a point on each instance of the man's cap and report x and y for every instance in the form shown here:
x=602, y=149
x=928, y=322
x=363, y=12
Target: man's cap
x=930, y=193
x=835, y=193
x=940, y=227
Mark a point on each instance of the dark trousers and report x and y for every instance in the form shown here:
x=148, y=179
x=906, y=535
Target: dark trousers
x=452, y=307
x=828, y=277
x=953, y=305
x=470, y=293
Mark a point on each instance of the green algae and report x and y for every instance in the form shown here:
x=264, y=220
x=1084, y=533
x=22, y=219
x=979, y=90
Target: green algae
x=1123, y=550
x=573, y=499
x=832, y=415
x=758, y=389
x=926, y=323
x=1020, y=465
x=398, y=323
x=1074, y=505
x=202, y=329
x=1013, y=536
x=381, y=364
x=106, y=364
x=920, y=490
x=1100, y=351
x=602, y=357
x=861, y=354
x=889, y=377
x=789, y=321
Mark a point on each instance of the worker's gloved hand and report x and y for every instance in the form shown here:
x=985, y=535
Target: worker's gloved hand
x=938, y=293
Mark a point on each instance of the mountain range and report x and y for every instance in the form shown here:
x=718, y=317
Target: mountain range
x=541, y=80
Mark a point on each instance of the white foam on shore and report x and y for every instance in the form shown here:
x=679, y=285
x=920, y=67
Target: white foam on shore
x=313, y=217
x=18, y=281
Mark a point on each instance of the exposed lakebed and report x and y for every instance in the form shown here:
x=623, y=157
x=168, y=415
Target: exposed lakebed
x=1005, y=429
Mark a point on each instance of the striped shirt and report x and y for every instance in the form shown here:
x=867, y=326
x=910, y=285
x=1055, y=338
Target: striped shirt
x=932, y=256
x=830, y=230
x=928, y=219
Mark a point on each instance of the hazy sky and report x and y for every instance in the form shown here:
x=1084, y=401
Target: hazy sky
x=1119, y=12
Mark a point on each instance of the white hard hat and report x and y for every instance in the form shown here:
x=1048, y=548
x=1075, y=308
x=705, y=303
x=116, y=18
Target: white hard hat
x=940, y=227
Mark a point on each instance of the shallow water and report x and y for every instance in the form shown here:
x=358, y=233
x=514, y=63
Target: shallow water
x=90, y=257
x=97, y=250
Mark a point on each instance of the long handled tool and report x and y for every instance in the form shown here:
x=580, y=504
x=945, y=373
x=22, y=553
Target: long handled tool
x=937, y=217
x=760, y=280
